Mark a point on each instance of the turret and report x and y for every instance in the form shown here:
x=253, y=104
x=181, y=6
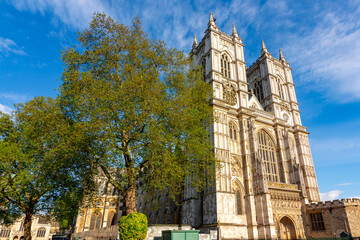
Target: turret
x=234, y=32
x=281, y=56
x=195, y=43
x=263, y=48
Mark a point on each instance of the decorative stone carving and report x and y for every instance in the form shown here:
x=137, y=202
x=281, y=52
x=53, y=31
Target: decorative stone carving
x=236, y=167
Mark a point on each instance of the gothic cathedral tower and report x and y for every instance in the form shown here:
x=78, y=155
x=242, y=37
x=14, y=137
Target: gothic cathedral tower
x=267, y=174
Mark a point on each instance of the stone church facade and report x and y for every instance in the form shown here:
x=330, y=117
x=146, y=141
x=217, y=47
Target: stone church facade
x=266, y=187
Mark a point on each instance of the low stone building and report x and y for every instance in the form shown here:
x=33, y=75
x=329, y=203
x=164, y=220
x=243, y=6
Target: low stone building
x=41, y=229
x=333, y=218
x=103, y=212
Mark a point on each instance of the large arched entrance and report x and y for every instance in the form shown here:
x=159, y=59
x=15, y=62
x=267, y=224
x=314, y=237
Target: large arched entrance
x=287, y=229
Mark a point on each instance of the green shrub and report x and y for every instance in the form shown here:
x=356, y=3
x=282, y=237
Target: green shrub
x=133, y=227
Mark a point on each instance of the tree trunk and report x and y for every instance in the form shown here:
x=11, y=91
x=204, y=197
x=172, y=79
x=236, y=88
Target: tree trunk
x=27, y=224
x=130, y=200
x=130, y=194
x=179, y=200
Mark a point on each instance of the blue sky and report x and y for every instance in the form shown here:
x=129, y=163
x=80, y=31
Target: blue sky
x=320, y=39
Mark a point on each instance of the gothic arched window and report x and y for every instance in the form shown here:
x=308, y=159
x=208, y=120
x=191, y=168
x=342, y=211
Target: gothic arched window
x=41, y=232
x=225, y=66
x=203, y=64
x=280, y=88
x=238, y=200
x=21, y=229
x=259, y=90
x=267, y=153
x=95, y=221
x=111, y=219
x=232, y=131
x=238, y=191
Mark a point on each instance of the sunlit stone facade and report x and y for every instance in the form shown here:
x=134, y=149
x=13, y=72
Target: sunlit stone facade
x=268, y=174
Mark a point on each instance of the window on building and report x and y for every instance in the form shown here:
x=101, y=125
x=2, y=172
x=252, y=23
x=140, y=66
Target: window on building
x=41, y=232
x=5, y=233
x=111, y=219
x=21, y=229
x=232, y=131
x=258, y=88
x=95, y=221
x=203, y=64
x=317, y=221
x=225, y=66
x=238, y=197
x=267, y=153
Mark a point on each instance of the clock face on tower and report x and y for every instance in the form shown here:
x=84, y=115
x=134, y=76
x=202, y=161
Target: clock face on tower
x=230, y=97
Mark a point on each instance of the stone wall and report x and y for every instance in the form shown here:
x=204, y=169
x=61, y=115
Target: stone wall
x=111, y=233
x=338, y=215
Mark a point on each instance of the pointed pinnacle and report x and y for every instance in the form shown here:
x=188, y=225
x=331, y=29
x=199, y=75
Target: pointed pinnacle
x=234, y=30
x=195, y=43
x=212, y=23
x=211, y=17
x=263, y=47
x=281, y=56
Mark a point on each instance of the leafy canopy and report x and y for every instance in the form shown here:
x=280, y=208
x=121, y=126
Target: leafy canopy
x=149, y=110
x=43, y=158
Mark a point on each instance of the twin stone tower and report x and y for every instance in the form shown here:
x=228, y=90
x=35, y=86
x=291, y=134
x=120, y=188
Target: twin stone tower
x=267, y=176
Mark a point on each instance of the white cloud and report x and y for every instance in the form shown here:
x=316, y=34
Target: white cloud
x=13, y=96
x=331, y=195
x=73, y=13
x=5, y=109
x=9, y=46
x=325, y=52
x=176, y=21
x=328, y=54
x=336, y=144
x=344, y=184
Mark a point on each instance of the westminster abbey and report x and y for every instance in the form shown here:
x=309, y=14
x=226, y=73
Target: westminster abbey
x=266, y=187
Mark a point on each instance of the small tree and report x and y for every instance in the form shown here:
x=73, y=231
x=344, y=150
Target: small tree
x=149, y=110
x=42, y=159
x=133, y=227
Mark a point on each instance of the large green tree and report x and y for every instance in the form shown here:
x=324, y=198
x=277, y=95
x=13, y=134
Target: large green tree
x=148, y=108
x=43, y=162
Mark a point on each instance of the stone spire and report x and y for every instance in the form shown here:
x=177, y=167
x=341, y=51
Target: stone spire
x=234, y=32
x=281, y=56
x=211, y=17
x=212, y=23
x=263, y=47
x=195, y=43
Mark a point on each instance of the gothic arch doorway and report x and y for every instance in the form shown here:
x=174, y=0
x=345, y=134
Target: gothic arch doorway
x=287, y=229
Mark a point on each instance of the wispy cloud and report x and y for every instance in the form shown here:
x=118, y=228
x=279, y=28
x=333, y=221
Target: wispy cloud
x=8, y=46
x=331, y=51
x=74, y=13
x=320, y=40
x=331, y=195
x=344, y=184
x=16, y=97
x=328, y=151
x=336, y=144
x=5, y=109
